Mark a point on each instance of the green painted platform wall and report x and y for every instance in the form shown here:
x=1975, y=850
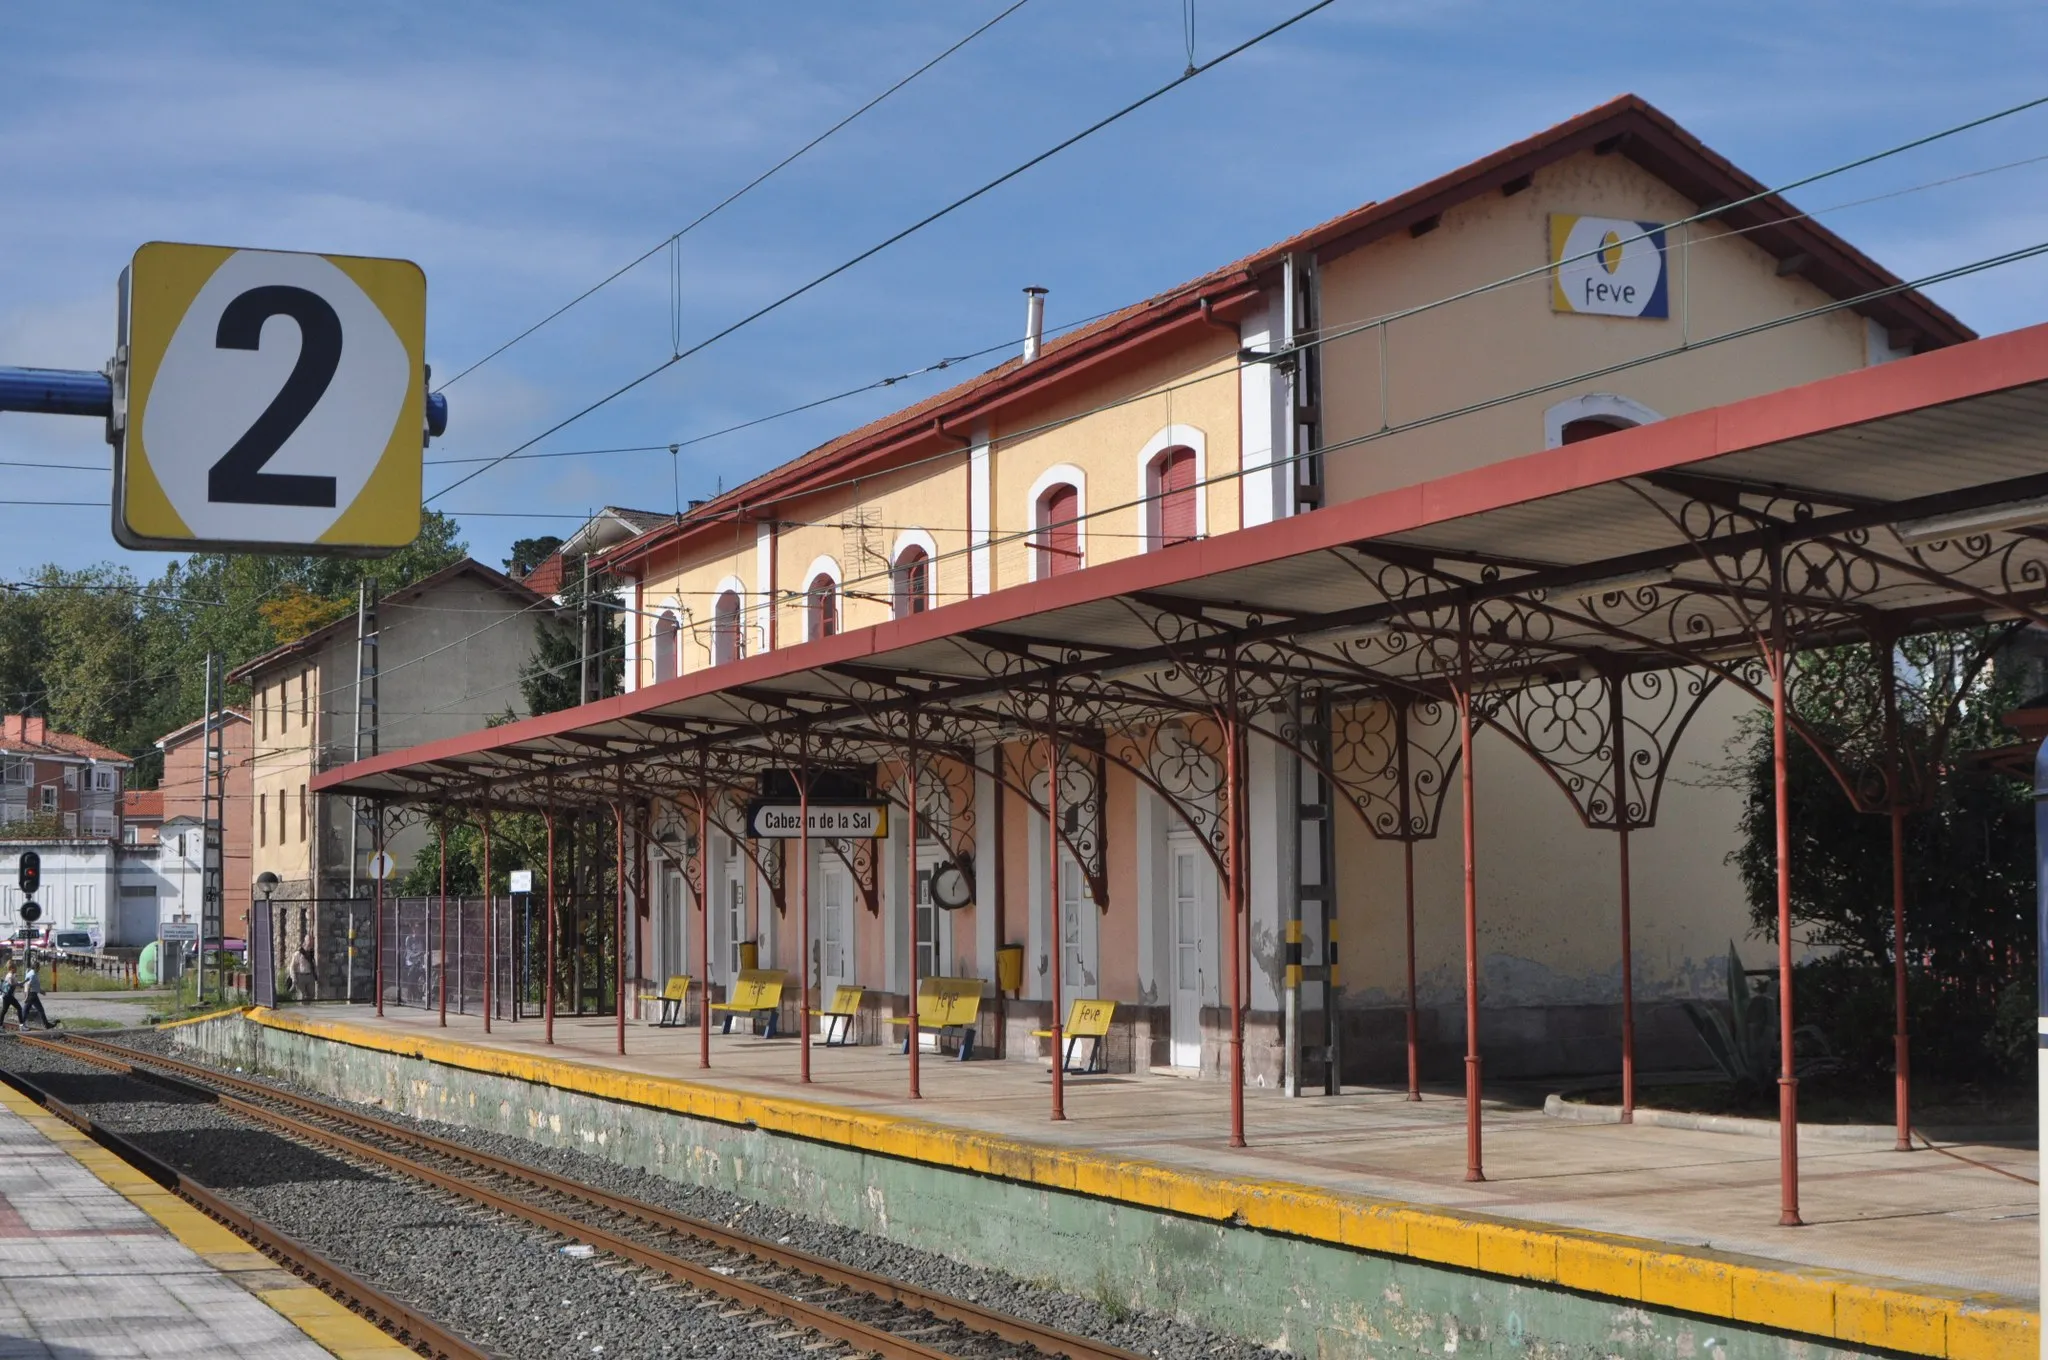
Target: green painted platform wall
x=1308, y=1298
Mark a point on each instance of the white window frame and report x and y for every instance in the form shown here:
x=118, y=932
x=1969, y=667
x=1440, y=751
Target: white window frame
x=1172, y=437
x=49, y=797
x=739, y=592
x=915, y=538
x=1047, y=480
x=1593, y=406
x=822, y=565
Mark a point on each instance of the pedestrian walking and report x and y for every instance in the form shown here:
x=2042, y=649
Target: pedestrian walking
x=10, y=993
x=32, y=985
x=305, y=983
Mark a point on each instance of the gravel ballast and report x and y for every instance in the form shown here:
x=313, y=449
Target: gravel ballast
x=1139, y=1330
x=504, y=1287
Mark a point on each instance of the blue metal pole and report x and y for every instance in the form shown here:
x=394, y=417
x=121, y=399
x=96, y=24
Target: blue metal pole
x=77, y=392
x=56, y=392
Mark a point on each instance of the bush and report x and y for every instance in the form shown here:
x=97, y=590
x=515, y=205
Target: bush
x=1972, y=1030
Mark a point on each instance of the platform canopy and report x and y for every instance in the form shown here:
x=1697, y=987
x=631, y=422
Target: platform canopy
x=1887, y=501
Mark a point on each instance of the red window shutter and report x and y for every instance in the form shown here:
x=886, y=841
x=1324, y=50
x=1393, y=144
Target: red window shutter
x=1060, y=531
x=1176, y=497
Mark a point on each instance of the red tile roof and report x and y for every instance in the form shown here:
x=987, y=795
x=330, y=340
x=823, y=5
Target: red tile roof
x=143, y=805
x=1626, y=125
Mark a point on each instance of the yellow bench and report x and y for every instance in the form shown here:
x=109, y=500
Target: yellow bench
x=946, y=1006
x=839, y=1015
x=756, y=993
x=673, y=997
x=1086, y=1019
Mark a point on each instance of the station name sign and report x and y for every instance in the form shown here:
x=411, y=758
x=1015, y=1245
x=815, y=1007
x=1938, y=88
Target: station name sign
x=829, y=821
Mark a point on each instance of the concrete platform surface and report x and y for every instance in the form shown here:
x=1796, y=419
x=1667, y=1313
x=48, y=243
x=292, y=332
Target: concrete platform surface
x=1921, y=1218
x=96, y=1260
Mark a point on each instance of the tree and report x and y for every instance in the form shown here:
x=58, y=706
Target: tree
x=1969, y=849
x=553, y=676
x=528, y=553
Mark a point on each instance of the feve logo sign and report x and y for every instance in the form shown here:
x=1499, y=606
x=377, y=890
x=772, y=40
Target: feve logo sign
x=1607, y=266
x=269, y=400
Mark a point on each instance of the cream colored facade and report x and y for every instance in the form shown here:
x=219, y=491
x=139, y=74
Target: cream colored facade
x=1409, y=391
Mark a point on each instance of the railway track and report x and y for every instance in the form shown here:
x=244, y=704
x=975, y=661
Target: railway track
x=870, y=1314
x=401, y=1322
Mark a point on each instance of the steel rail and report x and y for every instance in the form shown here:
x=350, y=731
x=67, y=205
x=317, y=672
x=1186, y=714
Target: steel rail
x=385, y=1312
x=209, y=1083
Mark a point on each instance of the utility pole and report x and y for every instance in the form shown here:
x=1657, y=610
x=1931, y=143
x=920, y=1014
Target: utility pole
x=364, y=743
x=213, y=794
x=586, y=686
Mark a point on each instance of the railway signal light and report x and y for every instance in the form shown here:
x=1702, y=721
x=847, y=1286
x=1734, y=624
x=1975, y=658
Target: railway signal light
x=30, y=873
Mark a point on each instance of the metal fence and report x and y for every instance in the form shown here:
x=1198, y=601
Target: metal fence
x=426, y=948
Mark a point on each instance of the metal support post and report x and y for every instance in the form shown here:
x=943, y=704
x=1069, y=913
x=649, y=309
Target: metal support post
x=441, y=962
x=377, y=908
x=1414, y=1025
x=1788, y=1081
x=490, y=923
x=1233, y=853
x=1618, y=742
x=911, y=878
x=1474, y=1161
x=809, y=951
x=1895, y=789
x=619, y=935
x=547, y=981
x=703, y=916
x=1056, y=930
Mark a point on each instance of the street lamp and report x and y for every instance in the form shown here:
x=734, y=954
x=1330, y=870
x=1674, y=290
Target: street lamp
x=266, y=883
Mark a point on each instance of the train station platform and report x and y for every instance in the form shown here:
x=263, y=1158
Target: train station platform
x=97, y=1260
x=1920, y=1253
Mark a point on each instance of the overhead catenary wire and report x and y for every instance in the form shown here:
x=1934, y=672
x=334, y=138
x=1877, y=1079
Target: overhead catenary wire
x=882, y=245
x=671, y=241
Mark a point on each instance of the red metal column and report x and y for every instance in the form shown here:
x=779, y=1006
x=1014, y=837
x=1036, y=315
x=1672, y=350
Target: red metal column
x=803, y=890
x=911, y=787
x=703, y=925
x=1474, y=1162
x=1401, y=768
x=547, y=982
x=1901, y=1057
x=1788, y=1083
x=1056, y=929
x=490, y=923
x=441, y=835
x=1618, y=744
x=377, y=934
x=1233, y=856
x=619, y=936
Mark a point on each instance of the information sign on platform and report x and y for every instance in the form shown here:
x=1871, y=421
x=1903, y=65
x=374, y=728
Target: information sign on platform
x=178, y=930
x=522, y=880
x=829, y=821
x=269, y=399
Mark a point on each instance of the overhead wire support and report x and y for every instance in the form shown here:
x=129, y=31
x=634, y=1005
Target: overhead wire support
x=671, y=242
x=882, y=245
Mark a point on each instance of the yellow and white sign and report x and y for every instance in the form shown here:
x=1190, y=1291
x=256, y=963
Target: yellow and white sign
x=269, y=399
x=1608, y=266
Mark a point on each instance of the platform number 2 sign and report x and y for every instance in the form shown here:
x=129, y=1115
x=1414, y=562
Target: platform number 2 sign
x=269, y=400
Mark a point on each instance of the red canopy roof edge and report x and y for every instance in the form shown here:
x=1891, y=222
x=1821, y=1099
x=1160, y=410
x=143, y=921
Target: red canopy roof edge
x=1937, y=378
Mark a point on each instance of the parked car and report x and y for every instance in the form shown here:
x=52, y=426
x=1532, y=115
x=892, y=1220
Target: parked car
x=76, y=941
x=29, y=937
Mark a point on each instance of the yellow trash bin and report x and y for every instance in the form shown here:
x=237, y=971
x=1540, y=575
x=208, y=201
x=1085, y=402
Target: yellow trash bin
x=750, y=954
x=1010, y=968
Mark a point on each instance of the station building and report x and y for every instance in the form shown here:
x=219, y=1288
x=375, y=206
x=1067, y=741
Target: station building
x=1402, y=358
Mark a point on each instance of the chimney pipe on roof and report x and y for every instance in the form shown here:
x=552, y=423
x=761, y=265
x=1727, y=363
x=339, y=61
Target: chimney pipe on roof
x=35, y=730
x=1034, y=322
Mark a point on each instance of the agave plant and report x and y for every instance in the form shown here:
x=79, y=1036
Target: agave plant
x=1743, y=1039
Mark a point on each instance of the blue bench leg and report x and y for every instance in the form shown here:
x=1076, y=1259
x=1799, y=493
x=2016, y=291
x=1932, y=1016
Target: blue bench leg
x=966, y=1045
x=728, y=1023
x=769, y=1032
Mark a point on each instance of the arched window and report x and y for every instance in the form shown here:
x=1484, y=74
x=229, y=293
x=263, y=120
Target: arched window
x=1058, y=544
x=1592, y=427
x=911, y=578
x=665, y=647
x=822, y=606
x=725, y=629
x=1170, y=491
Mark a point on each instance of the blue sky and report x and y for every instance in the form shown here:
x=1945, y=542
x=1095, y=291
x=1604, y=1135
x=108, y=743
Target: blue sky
x=521, y=152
